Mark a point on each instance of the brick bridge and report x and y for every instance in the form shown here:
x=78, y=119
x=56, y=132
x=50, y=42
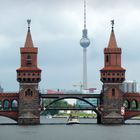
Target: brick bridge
x=9, y=103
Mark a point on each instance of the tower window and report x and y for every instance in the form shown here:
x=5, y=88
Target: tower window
x=28, y=92
x=107, y=58
x=29, y=60
x=113, y=92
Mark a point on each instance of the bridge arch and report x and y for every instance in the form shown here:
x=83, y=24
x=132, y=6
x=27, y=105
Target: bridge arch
x=134, y=104
x=14, y=104
x=6, y=104
x=127, y=104
x=95, y=109
x=12, y=116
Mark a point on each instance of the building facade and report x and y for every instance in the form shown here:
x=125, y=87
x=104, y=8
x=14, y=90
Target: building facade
x=130, y=86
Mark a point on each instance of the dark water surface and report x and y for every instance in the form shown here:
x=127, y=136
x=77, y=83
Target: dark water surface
x=55, y=129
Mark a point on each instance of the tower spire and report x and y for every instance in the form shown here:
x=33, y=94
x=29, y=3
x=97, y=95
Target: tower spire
x=112, y=41
x=28, y=42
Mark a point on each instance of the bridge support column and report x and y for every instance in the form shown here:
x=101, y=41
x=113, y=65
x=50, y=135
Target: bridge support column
x=29, y=105
x=28, y=121
x=112, y=119
x=112, y=98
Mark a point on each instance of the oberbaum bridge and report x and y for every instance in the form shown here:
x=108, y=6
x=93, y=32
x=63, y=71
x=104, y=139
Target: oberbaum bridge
x=113, y=107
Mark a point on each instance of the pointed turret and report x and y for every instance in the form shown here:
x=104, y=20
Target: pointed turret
x=29, y=61
x=112, y=71
x=28, y=42
x=112, y=41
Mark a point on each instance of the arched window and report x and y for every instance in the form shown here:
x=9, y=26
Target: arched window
x=28, y=92
x=29, y=59
x=107, y=58
x=134, y=104
x=127, y=104
x=6, y=105
x=113, y=92
x=14, y=104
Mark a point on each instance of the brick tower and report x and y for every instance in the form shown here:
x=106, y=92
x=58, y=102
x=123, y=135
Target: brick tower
x=28, y=76
x=112, y=76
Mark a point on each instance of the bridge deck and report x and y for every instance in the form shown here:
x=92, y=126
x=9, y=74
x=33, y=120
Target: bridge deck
x=69, y=108
x=70, y=95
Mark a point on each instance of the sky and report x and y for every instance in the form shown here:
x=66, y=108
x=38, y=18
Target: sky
x=56, y=29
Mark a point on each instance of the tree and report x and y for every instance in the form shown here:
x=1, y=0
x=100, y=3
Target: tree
x=54, y=105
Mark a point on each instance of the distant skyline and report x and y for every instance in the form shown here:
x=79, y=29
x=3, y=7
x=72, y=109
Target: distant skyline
x=56, y=29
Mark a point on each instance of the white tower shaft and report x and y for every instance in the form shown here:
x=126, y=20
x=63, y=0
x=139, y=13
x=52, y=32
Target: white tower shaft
x=84, y=68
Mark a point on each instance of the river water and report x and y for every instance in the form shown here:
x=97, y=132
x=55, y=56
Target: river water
x=56, y=129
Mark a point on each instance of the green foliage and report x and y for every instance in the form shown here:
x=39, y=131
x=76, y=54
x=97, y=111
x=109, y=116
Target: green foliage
x=61, y=103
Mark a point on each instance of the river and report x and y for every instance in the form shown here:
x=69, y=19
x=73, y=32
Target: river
x=55, y=129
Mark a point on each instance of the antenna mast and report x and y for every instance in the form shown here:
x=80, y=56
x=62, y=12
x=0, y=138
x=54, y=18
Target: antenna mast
x=84, y=14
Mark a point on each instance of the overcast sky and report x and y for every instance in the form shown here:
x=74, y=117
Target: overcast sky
x=56, y=29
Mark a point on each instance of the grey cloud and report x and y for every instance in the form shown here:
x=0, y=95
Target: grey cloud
x=56, y=30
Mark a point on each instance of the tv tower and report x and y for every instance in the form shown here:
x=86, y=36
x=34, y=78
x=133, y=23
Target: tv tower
x=84, y=42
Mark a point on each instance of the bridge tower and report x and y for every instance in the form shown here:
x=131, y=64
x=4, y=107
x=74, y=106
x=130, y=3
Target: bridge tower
x=28, y=76
x=112, y=76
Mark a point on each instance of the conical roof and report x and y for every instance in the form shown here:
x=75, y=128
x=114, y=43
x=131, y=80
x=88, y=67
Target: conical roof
x=112, y=41
x=28, y=42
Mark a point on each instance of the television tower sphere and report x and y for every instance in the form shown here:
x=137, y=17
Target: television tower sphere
x=84, y=42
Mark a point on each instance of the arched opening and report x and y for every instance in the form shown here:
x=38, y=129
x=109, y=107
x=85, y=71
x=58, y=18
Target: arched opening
x=6, y=120
x=113, y=79
x=126, y=104
x=84, y=100
x=113, y=92
x=29, y=79
x=28, y=92
x=14, y=105
x=134, y=104
x=88, y=106
x=107, y=58
x=6, y=105
x=29, y=60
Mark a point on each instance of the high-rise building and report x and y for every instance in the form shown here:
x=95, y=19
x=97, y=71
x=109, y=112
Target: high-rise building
x=129, y=86
x=84, y=42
